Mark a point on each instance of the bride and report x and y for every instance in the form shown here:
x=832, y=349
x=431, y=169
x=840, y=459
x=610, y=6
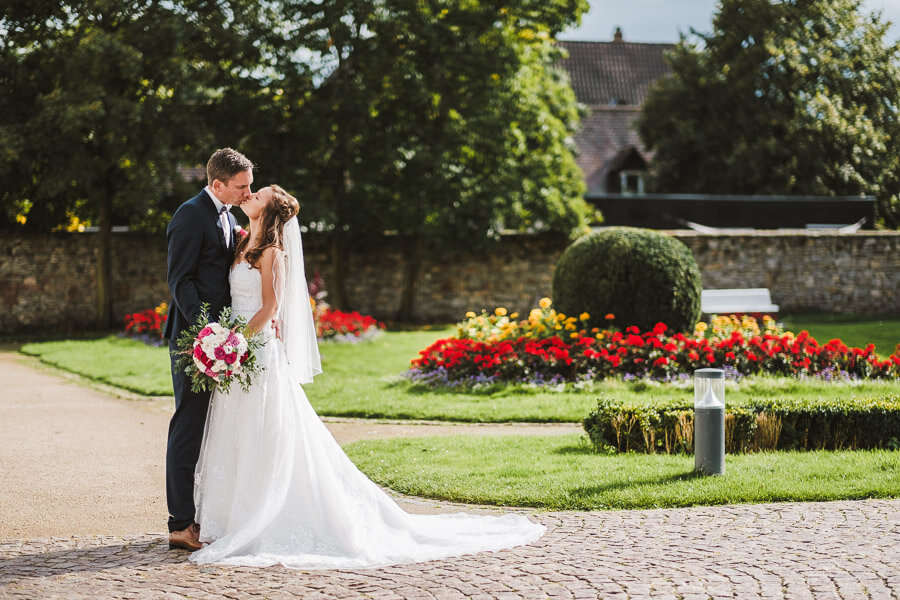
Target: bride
x=272, y=485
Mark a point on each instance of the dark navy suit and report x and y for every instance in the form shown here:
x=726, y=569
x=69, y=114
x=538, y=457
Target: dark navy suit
x=198, y=267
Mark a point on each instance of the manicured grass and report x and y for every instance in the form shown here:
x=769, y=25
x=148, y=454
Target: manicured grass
x=363, y=380
x=883, y=331
x=561, y=472
x=121, y=362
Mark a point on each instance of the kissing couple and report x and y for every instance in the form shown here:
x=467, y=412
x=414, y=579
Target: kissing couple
x=255, y=478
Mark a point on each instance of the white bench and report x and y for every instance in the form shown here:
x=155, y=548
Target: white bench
x=737, y=301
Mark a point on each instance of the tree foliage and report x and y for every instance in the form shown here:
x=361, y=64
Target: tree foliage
x=442, y=122
x=102, y=99
x=792, y=97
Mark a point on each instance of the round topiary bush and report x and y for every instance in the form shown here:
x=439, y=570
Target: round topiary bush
x=642, y=277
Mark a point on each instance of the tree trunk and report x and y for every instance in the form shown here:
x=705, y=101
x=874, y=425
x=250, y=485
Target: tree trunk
x=104, y=260
x=412, y=267
x=337, y=291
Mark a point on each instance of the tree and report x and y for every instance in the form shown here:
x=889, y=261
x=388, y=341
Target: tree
x=790, y=97
x=103, y=99
x=442, y=122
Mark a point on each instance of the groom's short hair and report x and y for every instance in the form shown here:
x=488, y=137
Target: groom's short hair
x=225, y=164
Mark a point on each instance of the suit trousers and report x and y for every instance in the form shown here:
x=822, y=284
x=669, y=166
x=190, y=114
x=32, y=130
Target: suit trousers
x=183, y=448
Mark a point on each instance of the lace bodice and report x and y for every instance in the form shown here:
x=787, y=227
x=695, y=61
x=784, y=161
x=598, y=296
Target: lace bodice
x=246, y=290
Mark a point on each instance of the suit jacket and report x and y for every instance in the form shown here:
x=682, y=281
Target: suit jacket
x=198, y=263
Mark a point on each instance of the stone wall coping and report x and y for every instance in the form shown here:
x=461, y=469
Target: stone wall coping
x=794, y=233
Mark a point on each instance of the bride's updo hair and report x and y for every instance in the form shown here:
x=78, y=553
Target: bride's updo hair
x=281, y=208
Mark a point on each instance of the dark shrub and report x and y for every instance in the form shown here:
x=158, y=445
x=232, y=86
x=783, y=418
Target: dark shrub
x=643, y=277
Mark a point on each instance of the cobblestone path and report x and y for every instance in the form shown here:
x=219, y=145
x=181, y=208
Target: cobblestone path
x=843, y=550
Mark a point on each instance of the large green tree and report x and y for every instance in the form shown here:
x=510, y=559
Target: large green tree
x=440, y=121
x=102, y=99
x=782, y=97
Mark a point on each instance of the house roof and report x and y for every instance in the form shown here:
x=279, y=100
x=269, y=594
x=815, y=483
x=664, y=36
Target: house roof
x=604, y=133
x=613, y=73
x=612, y=79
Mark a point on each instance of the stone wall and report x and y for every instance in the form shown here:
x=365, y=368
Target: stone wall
x=806, y=271
x=47, y=282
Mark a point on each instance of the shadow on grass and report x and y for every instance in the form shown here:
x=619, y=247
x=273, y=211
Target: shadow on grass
x=592, y=491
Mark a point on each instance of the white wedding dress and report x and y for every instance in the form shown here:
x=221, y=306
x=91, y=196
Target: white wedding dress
x=273, y=486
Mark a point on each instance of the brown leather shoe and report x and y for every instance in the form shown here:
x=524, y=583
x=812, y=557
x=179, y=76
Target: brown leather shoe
x=186, y=539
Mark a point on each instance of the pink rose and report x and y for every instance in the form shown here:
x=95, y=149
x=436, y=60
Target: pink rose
x=211, y=373
x=198, y=352
x=220, y=353
x=232, y=340
x=204, y=332
x=230, y=358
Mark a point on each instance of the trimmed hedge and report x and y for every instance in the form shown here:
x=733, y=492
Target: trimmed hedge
x=641, y=277
x=783, y=424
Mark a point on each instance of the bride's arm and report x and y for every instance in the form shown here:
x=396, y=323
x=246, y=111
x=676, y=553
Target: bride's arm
x=270, y=301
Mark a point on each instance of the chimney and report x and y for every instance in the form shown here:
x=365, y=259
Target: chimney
x=617, y=36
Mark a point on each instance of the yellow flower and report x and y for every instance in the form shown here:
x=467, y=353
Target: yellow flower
x=535, y=314
x=470, y=315
x=514, y=316
x=570, y=327
x=162, y=309
x=573, y=335
x=701, y=327
x=584, y=316
x=545, y=303
x=500, y=311
x=557, y=327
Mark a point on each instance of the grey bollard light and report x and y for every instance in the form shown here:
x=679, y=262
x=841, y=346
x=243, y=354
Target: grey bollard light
x=709, y=421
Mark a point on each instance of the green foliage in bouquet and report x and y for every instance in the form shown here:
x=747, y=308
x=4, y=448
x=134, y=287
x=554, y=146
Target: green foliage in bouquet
x=641, y=276
x=218, y=353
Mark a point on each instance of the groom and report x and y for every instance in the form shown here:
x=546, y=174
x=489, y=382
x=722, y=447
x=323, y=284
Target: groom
x=201, y=250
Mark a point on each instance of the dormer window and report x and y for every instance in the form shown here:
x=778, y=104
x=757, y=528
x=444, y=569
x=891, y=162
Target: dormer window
x=631, y=182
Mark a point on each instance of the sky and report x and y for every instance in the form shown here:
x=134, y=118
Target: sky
x=661, y=20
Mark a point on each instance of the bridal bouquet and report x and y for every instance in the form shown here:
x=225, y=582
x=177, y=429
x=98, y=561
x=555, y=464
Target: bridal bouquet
x=217, y=353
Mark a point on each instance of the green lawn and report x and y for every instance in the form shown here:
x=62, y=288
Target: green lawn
x=562, y=473
x=363, y=380
x=883, y=331
x=120, y=362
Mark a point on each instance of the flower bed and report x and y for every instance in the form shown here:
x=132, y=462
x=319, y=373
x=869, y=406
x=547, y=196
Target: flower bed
x=338, y=326
x=550, y=348
x=147, y=325
x=331, y=325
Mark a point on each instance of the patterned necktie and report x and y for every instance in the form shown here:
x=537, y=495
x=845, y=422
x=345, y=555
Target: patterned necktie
x=226, y=228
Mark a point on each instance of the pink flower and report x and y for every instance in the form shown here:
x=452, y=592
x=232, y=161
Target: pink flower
x=204, y=332
x=241, y=231
x=220, y=353
x=211, y=373
x=232, y=340
x=230, y=358
x=198, y=352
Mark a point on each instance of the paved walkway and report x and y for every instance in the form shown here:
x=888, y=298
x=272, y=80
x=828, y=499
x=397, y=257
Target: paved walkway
x=843, y=550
